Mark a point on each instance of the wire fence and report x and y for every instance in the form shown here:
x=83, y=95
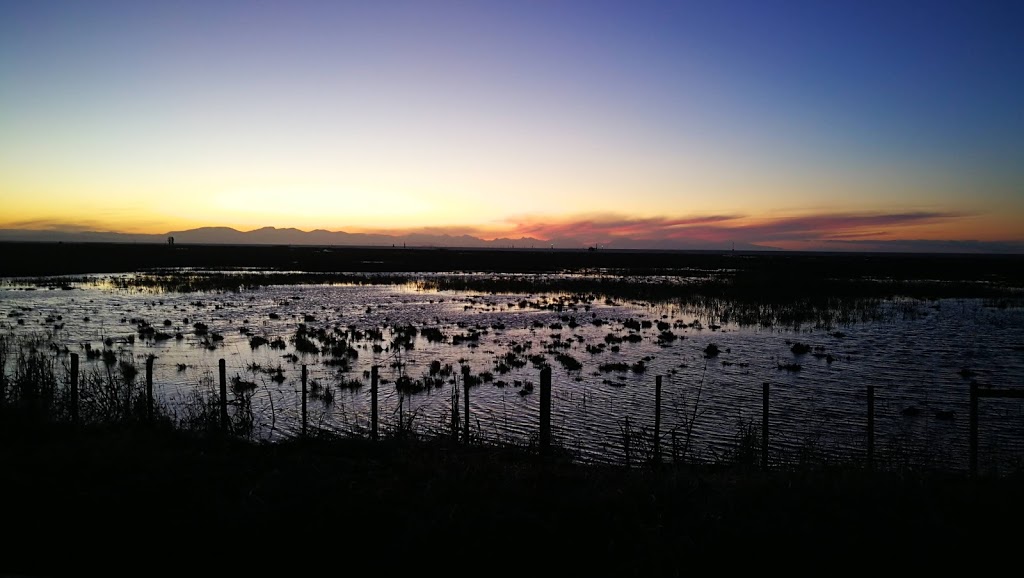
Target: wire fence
x=679, y=429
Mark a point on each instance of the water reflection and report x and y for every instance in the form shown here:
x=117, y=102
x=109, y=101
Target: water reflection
x=605, y=351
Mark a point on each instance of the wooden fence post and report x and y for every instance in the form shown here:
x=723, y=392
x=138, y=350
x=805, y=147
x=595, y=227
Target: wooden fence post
x=974, y=430
x=455, y=413
x=675, y=452
x=545, y=409
x=373, y=402
x=871, y=427
x=657, y=419
x=303, y=400
x=74, y=388
x=3, y=373
x=223, y=396
x=465, y=388
x=764, y=426
x=149, y=388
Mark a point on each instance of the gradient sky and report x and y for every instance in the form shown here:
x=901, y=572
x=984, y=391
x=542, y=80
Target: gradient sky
x=787, y=124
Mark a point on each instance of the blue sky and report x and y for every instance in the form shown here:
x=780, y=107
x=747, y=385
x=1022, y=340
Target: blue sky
x=497, y=117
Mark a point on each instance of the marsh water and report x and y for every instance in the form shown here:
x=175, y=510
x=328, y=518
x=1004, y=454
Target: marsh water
x=919, y=355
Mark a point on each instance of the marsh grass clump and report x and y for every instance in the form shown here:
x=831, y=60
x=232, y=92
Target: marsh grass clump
x=408, y=385
x=538, y=360
x=800, y=348
x=637, y=444
x=745, y=450
x=323, y=393
x=433, y=334
x=350, y=383
x=509, y=361
x=303, y=344
x=276, y=374
x=471, y=338
x=199, y=412
x=341, y=363
x=666, y=337
x=569, y=362
x=240, y=385
x=526, y=387
x=111, y=394
x=437, y=370
x=32, y=388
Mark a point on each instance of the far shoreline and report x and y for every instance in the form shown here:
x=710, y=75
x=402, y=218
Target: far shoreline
x=28, y=258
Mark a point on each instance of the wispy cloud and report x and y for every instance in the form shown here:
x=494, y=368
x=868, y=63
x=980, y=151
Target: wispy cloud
x=859, y=235
x=613, y=226
x=740, y=229
x=454, y=231
x=56, y=225
x=823, y=226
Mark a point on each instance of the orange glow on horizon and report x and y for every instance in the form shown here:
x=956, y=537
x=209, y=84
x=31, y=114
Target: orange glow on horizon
x=815, y=231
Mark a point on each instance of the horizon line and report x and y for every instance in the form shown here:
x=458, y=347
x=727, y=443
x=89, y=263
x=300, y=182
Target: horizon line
x=819, y=241
x=726, y=252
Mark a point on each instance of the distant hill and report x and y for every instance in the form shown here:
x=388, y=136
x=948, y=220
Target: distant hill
x=290, y=236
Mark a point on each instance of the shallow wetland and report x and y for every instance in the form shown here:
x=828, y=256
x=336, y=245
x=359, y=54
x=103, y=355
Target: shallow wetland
x=606, y=334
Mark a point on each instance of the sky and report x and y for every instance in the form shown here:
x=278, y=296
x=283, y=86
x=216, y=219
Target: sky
x=795, y=125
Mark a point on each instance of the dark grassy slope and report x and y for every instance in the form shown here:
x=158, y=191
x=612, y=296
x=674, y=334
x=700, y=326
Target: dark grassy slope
x=68, y=258
x=153, y=503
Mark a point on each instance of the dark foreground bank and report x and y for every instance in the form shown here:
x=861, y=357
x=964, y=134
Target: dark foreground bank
x=142, y=502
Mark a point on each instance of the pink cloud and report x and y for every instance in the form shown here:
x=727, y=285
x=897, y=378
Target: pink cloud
x=800, y=231
x=813, y=229
x=655, y=228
